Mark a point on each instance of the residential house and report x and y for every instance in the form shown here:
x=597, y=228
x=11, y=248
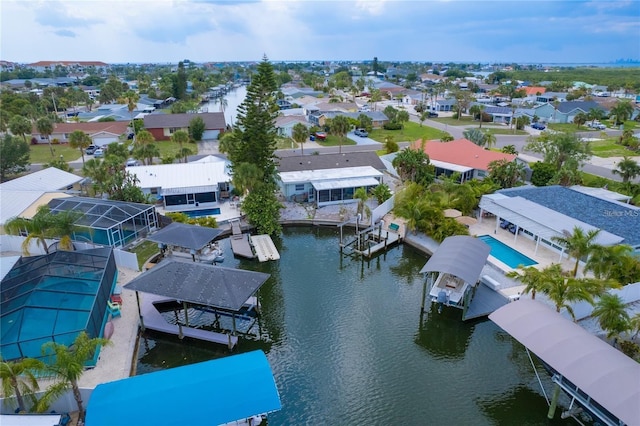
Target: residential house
x=460, y=156
x=76, y=65
x=162, y=126
x=186, y=186
x=101, y=133
x=444, y=104
x=28, y=192
x=548, y=97
x=378, y=118
x=330, y=178
x=566, y=111
x=284, y=124
x=431, y=79
x=499, y=114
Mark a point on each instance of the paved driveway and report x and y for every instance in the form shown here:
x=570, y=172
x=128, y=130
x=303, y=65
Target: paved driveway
x=360, y=140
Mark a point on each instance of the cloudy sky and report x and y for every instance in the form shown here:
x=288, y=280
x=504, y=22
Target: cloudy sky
x=419, y=30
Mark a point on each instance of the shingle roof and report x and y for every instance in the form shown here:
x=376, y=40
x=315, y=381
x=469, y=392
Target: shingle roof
x=614, y=217
x=330, y=161
x=585, y=106
x=462, y=152
x=115, y=127
x=212, y=120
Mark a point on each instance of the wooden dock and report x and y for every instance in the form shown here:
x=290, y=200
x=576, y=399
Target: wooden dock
x=264, y=248
x=153, y=320
x=240, y=243
x=376, y=244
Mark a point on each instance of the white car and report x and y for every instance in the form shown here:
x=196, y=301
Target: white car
x=98, y=153
x=132, y=162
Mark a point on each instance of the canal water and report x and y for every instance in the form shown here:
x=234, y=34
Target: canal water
x=347, y=345
x=234, y=99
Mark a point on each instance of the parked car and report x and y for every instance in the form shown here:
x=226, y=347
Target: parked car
x=91, y=149
x=98, y=153
x=597, y=125
x=433, y=114
x=538, y=126
x=361, y=132
x=132, y=162
x=321, y=135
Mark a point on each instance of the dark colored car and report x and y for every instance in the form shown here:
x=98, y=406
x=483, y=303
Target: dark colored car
x=538, y=126
x=90, y=149
x=361, y=132
x=433, y=114
x=321, y=135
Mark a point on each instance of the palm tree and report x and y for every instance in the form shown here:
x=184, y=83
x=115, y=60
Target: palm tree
x=18, y=379
x=563, y=291
x=67, y=364
x=611, y=313
x=20, y=126
x=340, y=126
x=97, y=171
x=578, y=244
x=533, y=279
x=146, y=152
x=45, y=128
x=144, y=137
x=35, y=228
x=181, y=137
x=300, y=134
x=622, y=111
x=580, y=118
x=423, y=116
x=595, y=114
x=604, y=258
x=81, y=140
x=184, y=153
x=362, y=196
x=246, y=176
x=477, y=110
x=130, y=98
x=489, y=139
x=627, y=168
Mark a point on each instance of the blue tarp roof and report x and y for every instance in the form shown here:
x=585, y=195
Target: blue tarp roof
x=212, y=392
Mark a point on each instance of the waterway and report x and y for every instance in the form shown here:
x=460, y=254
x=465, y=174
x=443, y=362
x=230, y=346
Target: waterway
x=347, y=345
x=234, y=99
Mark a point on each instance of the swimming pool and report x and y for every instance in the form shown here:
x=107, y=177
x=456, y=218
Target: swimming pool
x=505, y=254
x=201, y=213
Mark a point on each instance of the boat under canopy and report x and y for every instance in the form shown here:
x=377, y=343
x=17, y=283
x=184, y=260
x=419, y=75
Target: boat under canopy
x=599, y=377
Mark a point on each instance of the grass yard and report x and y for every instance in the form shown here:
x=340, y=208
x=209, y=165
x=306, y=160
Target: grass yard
x=333, y=140
x=608, y=148
x=42, y=154
x=168, y=148
x=505, y=131
x=465, y=120
x=411, y=132
x=144, y=251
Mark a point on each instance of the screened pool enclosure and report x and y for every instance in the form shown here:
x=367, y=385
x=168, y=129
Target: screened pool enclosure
x=106, y=222
x=54, y=297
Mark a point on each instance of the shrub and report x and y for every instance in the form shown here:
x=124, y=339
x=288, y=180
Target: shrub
x=55, y=141
x=629, y=348
x=392, y=126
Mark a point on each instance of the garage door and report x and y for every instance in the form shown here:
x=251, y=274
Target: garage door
x=210, y=135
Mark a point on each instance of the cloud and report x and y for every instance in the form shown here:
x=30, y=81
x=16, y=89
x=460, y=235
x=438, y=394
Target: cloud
x=65, y=33
x=60, y=15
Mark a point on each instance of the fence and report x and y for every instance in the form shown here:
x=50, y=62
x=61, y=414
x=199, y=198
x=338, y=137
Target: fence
x=384, y=208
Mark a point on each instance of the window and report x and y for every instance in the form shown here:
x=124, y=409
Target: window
x=323, y=196
x=172, y=130
x=299, y=187
x=175, y=200
x=154, y=191
x=206, y=197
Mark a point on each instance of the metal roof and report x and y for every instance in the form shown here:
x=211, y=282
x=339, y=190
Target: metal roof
x=14, y=202
x=450, y=166
x=198, y=283
x=213, y=392
x=345, y=183
x=329, y=161
x=212, y=120
x=184, y=235
x=182, y=177
x=608, y=376
x=49, y=179
x=461, y=256
x=328, y=174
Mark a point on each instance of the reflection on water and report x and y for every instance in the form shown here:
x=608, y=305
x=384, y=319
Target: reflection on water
x=346, y=344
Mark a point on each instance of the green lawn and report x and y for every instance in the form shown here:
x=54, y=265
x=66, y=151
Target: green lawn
x=465, y=120
x=333, y=140
x=505, y=131
x=608, y=148
x=42, y=154
x=144, y=251
x=411, y=132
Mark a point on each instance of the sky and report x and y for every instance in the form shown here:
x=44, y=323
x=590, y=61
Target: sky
x=163, y=31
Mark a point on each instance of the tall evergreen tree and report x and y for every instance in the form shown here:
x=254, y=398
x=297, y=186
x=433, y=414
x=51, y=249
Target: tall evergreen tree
x=180, y=83
x=253, y=141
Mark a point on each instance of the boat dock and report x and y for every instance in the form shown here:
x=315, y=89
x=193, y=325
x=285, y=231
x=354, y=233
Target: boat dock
x=240, y=243
x=264, y=248
x=153, y=320
x=369, y=241
x=484, y=302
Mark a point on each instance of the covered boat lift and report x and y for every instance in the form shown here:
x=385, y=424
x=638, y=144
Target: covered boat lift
x=452, y=275
x=190, y=241
x=598, y=377
x=225, y=390
x=222, y=292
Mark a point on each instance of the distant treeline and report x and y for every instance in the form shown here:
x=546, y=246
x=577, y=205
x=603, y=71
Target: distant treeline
x=612, y=78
